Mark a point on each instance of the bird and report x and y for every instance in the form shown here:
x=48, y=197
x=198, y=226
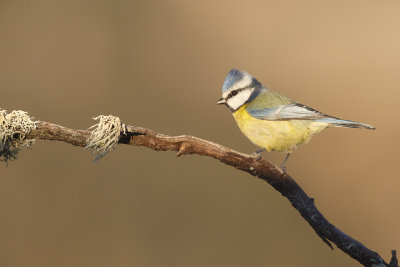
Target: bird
x=272, y=121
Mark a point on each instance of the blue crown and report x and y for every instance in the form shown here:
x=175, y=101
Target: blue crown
x=233, y=77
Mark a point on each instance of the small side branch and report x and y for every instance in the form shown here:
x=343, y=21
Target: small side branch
x=261, y=168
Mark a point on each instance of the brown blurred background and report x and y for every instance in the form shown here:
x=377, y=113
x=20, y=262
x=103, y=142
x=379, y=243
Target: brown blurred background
x=161, y=64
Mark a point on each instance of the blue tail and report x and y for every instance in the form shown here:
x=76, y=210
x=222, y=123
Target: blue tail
x=334, y=122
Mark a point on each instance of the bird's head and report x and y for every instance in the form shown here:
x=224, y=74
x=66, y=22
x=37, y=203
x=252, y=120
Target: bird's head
x=239, y=88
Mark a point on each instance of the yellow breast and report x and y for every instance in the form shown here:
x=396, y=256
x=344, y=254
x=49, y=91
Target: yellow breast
x=283, y=136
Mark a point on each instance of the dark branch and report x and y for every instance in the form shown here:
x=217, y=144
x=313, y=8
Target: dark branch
x=260, y=168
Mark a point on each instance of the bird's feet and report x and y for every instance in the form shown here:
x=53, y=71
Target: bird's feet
x=283, y=167
x=257, y=155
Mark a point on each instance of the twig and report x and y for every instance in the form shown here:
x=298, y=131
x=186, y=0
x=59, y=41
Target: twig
x=261, y=168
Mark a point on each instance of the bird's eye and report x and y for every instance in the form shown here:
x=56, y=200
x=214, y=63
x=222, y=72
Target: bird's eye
x=234, y=93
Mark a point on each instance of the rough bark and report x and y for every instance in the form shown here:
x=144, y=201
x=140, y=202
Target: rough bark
x=261, y=168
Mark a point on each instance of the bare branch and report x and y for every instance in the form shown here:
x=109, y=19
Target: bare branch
x=261, y=168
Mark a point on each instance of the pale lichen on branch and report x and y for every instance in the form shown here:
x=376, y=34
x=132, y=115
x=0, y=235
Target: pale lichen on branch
x=14, y=127
x=105, y=135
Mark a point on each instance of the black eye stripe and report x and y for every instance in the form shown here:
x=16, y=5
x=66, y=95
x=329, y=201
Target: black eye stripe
x=233, y=93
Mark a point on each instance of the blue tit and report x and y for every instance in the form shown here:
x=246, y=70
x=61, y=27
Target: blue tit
x=270, y=120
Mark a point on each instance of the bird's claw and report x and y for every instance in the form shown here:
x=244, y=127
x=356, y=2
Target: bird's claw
x=283, y=168
x=255, y=156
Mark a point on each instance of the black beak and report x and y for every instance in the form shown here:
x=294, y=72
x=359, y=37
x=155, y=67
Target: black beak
x=221, y=101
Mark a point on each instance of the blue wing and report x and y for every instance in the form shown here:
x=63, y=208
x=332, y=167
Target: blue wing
x=296, y=111
x=287, y=112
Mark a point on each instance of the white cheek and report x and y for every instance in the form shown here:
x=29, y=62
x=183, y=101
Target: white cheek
x=238, y=100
